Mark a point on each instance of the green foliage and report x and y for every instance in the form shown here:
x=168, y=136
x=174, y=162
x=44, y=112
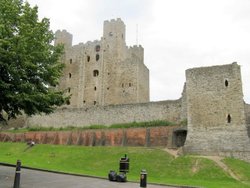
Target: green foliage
x=97, y=161
x=184, y=122
x=41, y=129
x=114, y=126
x=142, y=124
x=29, y=63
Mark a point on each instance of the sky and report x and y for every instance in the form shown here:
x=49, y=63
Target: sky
x=176, y=34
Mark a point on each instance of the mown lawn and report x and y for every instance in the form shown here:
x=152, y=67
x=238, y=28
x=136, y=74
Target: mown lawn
x=97, y=161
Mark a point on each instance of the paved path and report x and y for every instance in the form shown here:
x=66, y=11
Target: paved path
x=39, y=179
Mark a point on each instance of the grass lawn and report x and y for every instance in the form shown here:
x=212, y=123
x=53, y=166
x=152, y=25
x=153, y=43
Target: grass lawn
x=97, y=161
x=241, y=168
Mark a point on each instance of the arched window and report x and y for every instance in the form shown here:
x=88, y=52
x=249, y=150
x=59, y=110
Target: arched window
x=97, y=57
x=229, y=118
x=226, y=83
x=97, y=48
x=70, y=75
x=95, y=73
x=88, y=58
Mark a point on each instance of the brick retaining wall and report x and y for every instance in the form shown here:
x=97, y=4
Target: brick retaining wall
x=154, y=136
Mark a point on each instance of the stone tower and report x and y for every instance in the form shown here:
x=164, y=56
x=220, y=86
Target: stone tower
x=63, y=37
x=215, y=112
x=106, y=71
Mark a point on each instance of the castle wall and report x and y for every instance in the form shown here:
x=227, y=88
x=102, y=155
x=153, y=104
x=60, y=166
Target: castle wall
x=143, y=83
x=210, y=100
x=184, y=104
x=73, y=77
x=126, y=86
x=92, y=74
x=107, y=115
x=114, y=35
x=247, y=113
x=215, y=112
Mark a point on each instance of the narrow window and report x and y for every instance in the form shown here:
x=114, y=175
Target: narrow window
x=107, y=88
x=130, y=84
x=95, y=73
x=122, y=35
x=226, y=83
x=97, y=57
x=95, y=88
x=84, y=101
x=70, y=61
x=69, y=75
x=229, y=119
x=88, y=58
x=69, y=90
x=94, y=102
x=123, y=85
x=68, y=102
x=97, y=48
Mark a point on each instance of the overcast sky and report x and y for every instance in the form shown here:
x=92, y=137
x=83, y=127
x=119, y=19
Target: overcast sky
x=176, y=34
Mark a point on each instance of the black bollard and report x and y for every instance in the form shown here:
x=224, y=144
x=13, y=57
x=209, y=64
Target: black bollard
x=17, y=175
x=143, y=179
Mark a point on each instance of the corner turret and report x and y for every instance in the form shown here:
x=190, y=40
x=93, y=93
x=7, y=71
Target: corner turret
x=114, y=29
x=138, y=52
x=63, y=37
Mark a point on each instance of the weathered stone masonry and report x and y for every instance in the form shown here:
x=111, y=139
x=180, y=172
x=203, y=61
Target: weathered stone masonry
x=216, y=112
x=247, y=113
x=109, y=84
x=112, y=114
x=103, y=72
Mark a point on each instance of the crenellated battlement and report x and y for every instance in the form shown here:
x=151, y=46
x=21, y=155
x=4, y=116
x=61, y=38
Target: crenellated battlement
x=137, y=51
x=114, y=30
x=63, y=37
x=114, y=21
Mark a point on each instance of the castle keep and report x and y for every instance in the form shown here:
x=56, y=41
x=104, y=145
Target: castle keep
x=104, y=72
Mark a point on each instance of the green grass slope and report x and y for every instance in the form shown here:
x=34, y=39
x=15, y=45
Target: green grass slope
x=97, y=161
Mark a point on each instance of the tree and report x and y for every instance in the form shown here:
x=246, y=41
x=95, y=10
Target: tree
x=29, y=63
